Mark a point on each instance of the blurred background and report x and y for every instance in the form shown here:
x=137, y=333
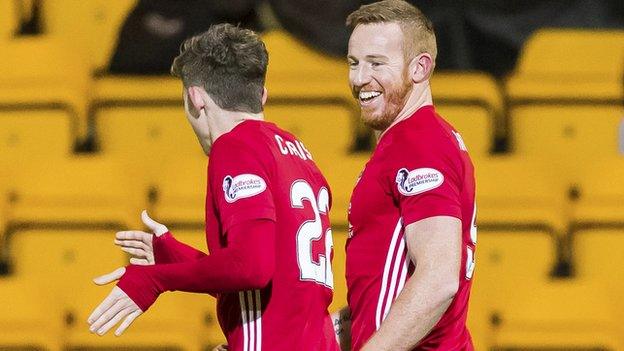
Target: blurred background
x=92, y=130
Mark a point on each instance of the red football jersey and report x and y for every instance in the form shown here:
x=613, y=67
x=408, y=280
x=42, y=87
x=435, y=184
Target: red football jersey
x=258, y=171
x=420, y=169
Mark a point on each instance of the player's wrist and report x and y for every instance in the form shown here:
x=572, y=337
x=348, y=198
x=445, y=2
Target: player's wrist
x=139, y=285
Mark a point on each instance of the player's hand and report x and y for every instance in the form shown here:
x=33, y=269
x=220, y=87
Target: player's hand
x=138, y=243
x=222, y=347
x=116, y=307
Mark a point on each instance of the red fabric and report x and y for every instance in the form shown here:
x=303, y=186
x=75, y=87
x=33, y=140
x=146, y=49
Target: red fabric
x=293, y=308
x=259, y=173
x=419, y=169
x=169, y=250
x=238, y=267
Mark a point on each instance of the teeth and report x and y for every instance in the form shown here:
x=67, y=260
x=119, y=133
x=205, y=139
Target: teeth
x=367, y=95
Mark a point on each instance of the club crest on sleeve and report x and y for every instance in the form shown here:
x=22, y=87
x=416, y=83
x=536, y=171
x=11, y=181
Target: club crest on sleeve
x=242, y=186
x=418, y=180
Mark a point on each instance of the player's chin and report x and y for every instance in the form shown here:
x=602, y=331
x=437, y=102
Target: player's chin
x=374, y=120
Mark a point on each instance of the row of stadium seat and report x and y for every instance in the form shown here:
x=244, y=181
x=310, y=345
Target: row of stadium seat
x=100, y=189
x=572, y=101
x=515, y=304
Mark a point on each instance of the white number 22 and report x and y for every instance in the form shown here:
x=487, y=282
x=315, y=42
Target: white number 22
x=312, y=230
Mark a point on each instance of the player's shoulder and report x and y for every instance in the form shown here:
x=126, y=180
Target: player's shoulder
x=424, y=133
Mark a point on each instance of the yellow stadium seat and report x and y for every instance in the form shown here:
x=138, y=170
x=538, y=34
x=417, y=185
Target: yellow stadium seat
x=30, y=85
x=503, y=258
x=201, y=306
x=552, y=51
x=26, y=134
x=329, y=146
x=77, y=256
x=79, y=23
x=292, y=62
x=516, y=305
x=600, y=185
x=142, y=120
x=520, y=192
x=88, y=190
x=29, y=317
x=549, y=66
x=599, y=255
x=473, y=104
x=8, y=20
x=559, y=315
x=566, y=134
x=181, y=192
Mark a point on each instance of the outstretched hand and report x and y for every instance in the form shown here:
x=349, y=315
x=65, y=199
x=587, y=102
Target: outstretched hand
x=116, y=307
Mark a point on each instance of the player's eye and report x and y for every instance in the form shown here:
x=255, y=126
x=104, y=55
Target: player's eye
x=352, y=64
x=376, y=63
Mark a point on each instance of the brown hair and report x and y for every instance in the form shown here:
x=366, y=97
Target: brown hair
x=229, y=62
x=417, y=28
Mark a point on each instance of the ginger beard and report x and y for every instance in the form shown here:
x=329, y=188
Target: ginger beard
x=394, y=99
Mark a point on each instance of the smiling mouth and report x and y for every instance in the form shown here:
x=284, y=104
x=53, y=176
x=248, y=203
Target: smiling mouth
x=365, y=97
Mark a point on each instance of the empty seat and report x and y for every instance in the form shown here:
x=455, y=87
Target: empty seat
x=600, y=185
x=181, y=192
x=30, y=86
x=599, y=256
x=38, y=133
x=87, y=190
x=79, y=22
x=29, y=317
x=566, y=134
x=8, y=20
x=142, y=120
x=503, y=258
x=554, y=51
x=473, y=104
x=521, y=192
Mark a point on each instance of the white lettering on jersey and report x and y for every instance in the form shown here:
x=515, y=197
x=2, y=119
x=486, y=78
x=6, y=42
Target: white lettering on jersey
x=296, y=149
x=460, y=141
x=418, y=181
x=280, y=144
x=242, y=186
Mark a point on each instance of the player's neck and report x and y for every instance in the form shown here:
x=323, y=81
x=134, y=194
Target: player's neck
x=224, y=121
x=420, y=96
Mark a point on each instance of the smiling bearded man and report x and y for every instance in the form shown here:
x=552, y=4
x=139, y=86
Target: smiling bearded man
x=412, y=216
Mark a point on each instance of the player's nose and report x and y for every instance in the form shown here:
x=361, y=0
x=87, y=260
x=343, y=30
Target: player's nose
x=359, y=76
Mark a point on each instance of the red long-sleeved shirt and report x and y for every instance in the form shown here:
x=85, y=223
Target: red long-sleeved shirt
x=238, y=267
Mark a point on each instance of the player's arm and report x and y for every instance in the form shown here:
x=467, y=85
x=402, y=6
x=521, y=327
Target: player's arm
x=157, y=247
x=247, y=263
x=341, y=320
x=434, y=245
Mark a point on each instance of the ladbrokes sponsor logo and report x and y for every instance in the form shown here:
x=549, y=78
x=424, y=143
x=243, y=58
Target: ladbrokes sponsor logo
x=418, y=180
x=242, y=186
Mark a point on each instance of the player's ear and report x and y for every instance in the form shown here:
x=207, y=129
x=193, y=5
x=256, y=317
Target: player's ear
x=265, y=95
x=420, y=67
x=196, y=98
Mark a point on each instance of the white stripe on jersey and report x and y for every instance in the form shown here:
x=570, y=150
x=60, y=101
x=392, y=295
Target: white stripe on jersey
x=394, y=283
x=243, y=308
x=387, y=266
x=258, y=321
x=251, y=317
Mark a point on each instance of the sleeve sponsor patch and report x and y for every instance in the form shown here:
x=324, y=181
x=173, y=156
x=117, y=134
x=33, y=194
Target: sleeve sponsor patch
x=242, y=186
x=418, y=180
